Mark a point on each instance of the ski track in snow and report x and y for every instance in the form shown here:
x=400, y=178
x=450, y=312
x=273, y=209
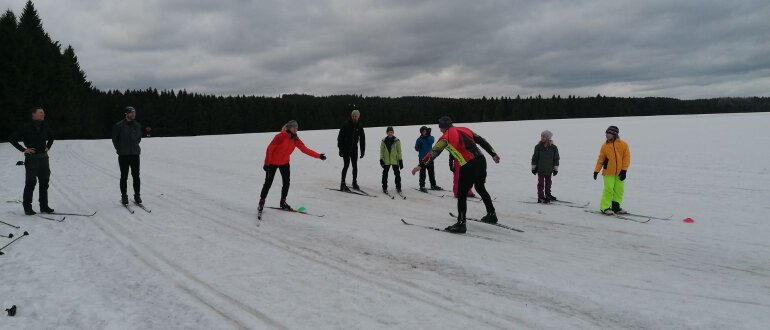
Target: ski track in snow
x=200, y=261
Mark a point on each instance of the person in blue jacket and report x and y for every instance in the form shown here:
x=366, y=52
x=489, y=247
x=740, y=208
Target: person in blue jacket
x=423, y=146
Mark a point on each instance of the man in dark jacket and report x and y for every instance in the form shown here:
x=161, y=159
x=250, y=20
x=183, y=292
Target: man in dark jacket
x=423, y=146
x=126, y=136
x=37, y=139
x=348, y=143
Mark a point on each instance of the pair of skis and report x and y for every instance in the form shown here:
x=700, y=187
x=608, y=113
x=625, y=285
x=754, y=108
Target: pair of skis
x=400, y=194
x=354, y=192
x=139, y=205
x=560, y=203
x=259, y=213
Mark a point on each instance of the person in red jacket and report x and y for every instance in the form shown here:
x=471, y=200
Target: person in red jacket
x=463, y=144
x=277, y=158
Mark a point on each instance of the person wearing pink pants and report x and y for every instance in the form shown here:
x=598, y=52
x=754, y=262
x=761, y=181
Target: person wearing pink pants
x=454, y=166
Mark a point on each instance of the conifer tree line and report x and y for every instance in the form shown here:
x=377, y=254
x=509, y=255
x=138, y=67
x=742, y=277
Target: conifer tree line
x=35, y=71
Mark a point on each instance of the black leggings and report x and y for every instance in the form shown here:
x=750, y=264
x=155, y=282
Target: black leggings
x=270, y=175
x=349, y=159
x=126, y=162
x=37, y=170
x=473, y=174
x=396, y=173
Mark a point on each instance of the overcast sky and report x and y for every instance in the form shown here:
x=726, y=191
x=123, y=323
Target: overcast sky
x=684, y=49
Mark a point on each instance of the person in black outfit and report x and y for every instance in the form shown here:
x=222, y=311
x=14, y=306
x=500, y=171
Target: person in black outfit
x=126, y=136
x=37, y=139
x=348, y=143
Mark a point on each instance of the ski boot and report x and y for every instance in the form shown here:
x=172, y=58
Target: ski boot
x=355, y=186
x=45, y=209
x=543, y=200
x=608, y=212
x=398, y=190
x=458, y=227
x=124, y=199
x=137, y=199
x=285, y=206
x=422, y=188
x=551, y=197
x=28, y=209
x=261, y=205
x=344, y=187
x=385, y=190
x=435, y=187
x=617, y=209
x=489, y=218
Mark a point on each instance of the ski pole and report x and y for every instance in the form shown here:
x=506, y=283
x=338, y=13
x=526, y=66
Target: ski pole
x=17, y=238
x=17, y=227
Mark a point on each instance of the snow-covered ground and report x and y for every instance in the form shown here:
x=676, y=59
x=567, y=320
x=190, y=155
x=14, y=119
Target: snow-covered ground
x=200, y=261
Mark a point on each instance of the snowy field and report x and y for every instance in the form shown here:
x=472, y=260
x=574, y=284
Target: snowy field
x=199, y=260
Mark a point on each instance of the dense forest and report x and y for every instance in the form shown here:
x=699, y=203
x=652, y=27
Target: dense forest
x=35, y=71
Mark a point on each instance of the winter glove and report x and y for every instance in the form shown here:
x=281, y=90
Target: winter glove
x=266, y=167
x=401, y=164
x=362, y=155
x=382, y=163
x=534, y=170
x=452, y=166
x=323, y=157
x=622, y=175
x=341, y=155
x=595, y=174
x=555, y=172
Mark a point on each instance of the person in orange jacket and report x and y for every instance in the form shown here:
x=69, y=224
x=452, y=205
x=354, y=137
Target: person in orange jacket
x=614, y=158
x=278, y=156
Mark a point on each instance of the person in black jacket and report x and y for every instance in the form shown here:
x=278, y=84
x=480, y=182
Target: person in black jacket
x=126, y=136
x=37, y=139
x=348, y=143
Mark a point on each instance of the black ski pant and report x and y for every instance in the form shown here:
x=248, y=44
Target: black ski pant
x=396, y=173
x=350, y=159
x=473, y=175
x=127, y=162
x=431, y=174
x=270, y=175
x=37, y=169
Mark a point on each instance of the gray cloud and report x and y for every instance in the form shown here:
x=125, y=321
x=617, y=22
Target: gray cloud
x=685, y=49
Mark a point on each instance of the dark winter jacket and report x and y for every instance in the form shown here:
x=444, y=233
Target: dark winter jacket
x=126, y=136
x=33, y=136
x=423, y=145
x=350, y=136
x=545, y=158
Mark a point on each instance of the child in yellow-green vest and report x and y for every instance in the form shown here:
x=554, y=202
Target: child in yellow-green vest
x=390, y=157
x=614, y=159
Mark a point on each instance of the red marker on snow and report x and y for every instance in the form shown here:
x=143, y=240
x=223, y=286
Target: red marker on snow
x=688, y=220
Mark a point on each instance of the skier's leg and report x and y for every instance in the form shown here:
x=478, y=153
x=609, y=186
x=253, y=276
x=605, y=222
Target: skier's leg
x=346, y=164
x=134, y=165
x=467, y=176
x=618, y=190
x=385, y=170
x=30, y=180
x=432, y=174
x=540, y=186
x=269, y=175
x=397, y=173
x=354, y=164
x=286, y=177
x=123, y=164
x=608, y=193
x=43, y=176
x=422, y=176
x=480, y=181
x=548, y=182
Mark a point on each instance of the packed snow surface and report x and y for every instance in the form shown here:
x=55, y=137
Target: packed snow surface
x=201, y=260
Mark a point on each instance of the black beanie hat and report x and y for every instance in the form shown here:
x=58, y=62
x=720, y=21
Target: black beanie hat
x=389, y=129
x=445, y=122
x=614, y=130
x=424, y=128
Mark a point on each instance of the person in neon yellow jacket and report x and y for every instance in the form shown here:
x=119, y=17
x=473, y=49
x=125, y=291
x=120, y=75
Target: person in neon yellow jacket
x=614, y=158
x=390, y=157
